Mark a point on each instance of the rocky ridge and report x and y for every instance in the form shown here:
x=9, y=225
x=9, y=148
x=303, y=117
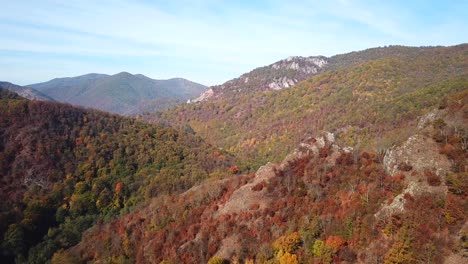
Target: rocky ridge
x=277, y=76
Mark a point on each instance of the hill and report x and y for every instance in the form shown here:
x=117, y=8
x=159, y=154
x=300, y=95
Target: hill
x=373, y=104
x=290, y=71
x=122, y=93
x=63, y=168
x=323, y=203
x=279, y=75
x=366, y=161
x=26, y=92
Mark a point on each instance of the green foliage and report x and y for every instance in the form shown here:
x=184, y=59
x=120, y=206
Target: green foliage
x=310, y=232
x=322, y=252
x=14, y=239
x=457, y=183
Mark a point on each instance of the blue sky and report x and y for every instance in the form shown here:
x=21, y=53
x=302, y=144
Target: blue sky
x=207, y=41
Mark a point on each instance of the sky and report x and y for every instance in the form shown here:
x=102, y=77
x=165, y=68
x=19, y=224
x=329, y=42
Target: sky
x=207, y=41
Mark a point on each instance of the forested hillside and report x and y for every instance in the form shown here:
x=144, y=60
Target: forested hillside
x=324, y=203
x=64, y=168
x=373, y=104
x=364, y=162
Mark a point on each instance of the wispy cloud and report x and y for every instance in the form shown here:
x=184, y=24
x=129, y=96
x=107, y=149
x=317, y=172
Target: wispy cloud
x=209, y=41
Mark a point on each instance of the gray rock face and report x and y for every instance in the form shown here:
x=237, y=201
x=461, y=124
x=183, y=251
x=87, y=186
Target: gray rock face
x=418, y=151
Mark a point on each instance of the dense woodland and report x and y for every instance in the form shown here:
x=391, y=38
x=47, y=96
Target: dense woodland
x=253, y=177
x=63, y=168
x=317, y=211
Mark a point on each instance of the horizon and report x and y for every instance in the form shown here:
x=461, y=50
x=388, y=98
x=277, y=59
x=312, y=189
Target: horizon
x=188, y=40
x=181, y=77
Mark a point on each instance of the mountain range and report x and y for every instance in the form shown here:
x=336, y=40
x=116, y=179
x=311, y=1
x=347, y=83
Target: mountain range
x=355, y=158
x=122, y=93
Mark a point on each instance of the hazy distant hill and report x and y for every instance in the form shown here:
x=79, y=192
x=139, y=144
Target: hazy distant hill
x=122, y=93
x=26, y=92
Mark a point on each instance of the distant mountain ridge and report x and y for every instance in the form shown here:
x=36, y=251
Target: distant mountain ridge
x=122, y=93
x=26, y=92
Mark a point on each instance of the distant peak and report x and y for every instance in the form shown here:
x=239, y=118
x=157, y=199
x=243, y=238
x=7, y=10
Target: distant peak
x=124, y=73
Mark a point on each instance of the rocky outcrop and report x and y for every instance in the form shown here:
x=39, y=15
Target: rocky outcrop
x=279, y=75
x=204, y=96
x=419, y=152
x=412, y=190
x=418, y=155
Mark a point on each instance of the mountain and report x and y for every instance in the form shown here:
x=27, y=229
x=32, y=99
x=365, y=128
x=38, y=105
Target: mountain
x=26, y=92
x=282, y=74
x=365, y=161
x=323, y=203
x=122, y=93
x=290, y=71
x=63, y=168
x=371, y=103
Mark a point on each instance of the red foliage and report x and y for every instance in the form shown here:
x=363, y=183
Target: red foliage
x=324, y=152
x=345, y=159
x=335, y=242
x=118, y=187
x=259, y=186
x=399, y=177
x=408, y=196
x=234, y=169
x=79, y=141
x=432, y=178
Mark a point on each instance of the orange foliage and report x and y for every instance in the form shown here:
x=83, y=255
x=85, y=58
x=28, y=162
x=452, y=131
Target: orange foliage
x=118, y=187
x=335, y=242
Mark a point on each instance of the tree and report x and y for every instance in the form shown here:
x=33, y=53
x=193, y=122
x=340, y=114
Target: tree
x=288, y=243
x=401, y=251
x=322, y=252
x=287, y=258
x=14, y=239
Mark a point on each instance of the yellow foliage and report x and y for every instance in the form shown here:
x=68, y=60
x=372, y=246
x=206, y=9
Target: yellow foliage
x=287, y=258
x=288, y=244
x=249, y=261
x=216, y=260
